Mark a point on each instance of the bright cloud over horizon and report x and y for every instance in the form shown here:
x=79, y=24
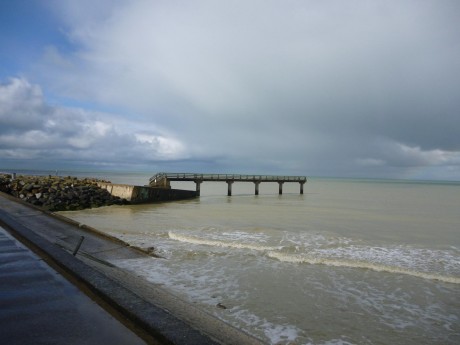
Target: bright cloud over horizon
x=323, y=88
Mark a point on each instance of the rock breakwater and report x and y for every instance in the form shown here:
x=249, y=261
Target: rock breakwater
x=56, y=193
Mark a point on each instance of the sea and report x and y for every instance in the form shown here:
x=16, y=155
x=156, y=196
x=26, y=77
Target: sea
x=351, y=261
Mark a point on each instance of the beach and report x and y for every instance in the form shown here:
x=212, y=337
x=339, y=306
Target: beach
x=349, y=262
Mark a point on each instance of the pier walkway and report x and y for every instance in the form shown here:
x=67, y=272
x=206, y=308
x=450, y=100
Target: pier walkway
x=164, y=179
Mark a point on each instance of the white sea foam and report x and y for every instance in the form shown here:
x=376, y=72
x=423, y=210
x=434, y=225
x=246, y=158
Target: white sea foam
x=340, y=262
x=338, y=252
x=219, y=243
x=244, y=236
x=276, y=333
x=337, y=342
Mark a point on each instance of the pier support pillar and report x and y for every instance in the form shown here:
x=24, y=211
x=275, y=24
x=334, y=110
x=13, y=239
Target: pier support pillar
x=229, y=192
x=198, y=183
x=257, y=187
x=301, y=187
x=280, y=188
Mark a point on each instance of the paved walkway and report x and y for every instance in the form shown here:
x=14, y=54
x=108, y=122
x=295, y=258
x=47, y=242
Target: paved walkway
x=39, y=306
x=162, y=317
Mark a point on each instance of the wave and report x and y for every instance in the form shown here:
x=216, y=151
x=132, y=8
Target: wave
x=308, y=259
x=399, y=260
x=219, y=243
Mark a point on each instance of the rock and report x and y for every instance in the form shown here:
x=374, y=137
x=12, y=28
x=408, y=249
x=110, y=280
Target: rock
x=221, y=306
x=59, y=193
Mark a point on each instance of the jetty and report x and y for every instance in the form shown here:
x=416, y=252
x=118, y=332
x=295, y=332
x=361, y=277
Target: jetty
x=163, y=180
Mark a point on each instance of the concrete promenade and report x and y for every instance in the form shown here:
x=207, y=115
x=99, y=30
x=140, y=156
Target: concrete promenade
x=39, y=306
x=137, y=307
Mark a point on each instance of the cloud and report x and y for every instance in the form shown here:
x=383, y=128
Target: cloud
x=21, y=105
x=302, y=87
x=407, y=156
x=32, y=129
x=370, y=162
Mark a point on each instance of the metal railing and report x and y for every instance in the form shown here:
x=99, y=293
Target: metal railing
x=158, y=178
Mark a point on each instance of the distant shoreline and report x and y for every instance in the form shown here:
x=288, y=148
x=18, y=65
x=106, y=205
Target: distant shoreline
x=119, y=176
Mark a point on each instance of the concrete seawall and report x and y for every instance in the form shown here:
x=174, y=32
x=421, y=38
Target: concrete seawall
x=154, y=313
x=145, y=194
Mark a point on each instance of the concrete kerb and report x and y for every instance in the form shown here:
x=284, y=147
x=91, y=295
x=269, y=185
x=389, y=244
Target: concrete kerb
x=156, y=321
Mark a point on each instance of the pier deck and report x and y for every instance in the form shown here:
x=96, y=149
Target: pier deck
x=164, y=179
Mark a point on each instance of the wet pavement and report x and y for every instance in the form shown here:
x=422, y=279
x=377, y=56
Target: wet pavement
x=39, y=306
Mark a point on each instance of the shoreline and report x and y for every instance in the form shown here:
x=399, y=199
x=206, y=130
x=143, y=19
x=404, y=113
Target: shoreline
x=56, y=235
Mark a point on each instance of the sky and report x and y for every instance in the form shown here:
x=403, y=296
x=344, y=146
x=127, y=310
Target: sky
x=333, y=88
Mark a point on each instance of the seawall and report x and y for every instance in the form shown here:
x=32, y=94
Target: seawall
x=144, y=194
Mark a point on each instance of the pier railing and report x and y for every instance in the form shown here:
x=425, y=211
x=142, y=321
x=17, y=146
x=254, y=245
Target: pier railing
x=163, y=180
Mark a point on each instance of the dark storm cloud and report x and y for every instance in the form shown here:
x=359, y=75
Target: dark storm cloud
x=323, y=87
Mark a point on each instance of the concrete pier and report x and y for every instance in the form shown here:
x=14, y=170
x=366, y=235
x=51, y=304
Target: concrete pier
x=257, y=187
x=143, y=194
x=198, y=183
x=301, y=187
x=229, y=193
x=164, y=179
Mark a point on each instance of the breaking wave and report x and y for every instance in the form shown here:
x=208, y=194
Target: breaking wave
x=401, y=260
x=336, y=262
x=219, y=243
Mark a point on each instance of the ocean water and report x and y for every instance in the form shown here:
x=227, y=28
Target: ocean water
x=348, y=262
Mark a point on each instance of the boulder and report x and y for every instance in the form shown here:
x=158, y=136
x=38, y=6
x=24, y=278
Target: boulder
x=56, y=193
